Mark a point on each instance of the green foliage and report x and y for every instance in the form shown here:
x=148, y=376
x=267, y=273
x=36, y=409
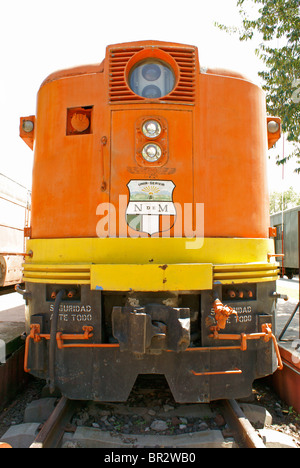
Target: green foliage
x=278, y=24
x=288, y=199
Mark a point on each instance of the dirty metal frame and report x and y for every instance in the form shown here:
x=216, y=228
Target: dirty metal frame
x=266, y=334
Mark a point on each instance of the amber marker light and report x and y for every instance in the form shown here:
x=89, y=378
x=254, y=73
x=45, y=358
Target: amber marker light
x=231, y=294
x=80, y=122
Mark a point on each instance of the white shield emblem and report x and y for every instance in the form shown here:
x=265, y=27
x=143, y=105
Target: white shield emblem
x=148, y=200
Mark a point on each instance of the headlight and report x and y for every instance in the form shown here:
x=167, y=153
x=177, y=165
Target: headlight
x=152, y=79
x=151, y=72
x=273, y=126
x=151, y=92
x=27, y=126
x=151, y=152
x=151, y=129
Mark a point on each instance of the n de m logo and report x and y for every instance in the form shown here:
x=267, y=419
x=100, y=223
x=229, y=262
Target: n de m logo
x=148, y=201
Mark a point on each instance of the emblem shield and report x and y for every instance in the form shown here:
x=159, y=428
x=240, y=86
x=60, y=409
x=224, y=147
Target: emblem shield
x=148, y=200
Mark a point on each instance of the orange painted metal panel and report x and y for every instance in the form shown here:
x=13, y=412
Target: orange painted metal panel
x=217, y=143
x=287, y=381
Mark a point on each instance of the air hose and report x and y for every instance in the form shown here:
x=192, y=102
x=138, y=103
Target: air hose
x=52, y=345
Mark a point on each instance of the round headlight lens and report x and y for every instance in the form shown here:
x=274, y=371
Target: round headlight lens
x=273, y=126
x=151, y=92
x=152, y=79
x=151, y=152
x=27, y=126
x=151, y=129
x=151, y=72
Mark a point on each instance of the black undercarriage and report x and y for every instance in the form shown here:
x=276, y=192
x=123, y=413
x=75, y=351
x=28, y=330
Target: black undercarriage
x=136, y=333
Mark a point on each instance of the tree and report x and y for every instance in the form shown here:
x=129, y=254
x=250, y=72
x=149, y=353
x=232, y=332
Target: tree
x=278, y=24
x=288, y=199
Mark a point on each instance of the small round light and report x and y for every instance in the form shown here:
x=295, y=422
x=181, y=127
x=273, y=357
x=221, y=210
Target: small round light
x=232, y=294
x=151, y=129
x=27, y=126
x=151, y=72
x=151, y=152
x=151, y=92
x=273, y=126
x=80, y=122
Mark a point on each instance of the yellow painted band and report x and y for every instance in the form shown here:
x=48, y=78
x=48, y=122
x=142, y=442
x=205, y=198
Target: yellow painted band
x=145, y=250
x=149, y=264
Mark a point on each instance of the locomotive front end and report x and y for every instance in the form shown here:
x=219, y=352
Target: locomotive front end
x=149, y=250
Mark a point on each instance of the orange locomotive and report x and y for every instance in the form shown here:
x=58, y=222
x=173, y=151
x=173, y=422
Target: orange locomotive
x=149, y=249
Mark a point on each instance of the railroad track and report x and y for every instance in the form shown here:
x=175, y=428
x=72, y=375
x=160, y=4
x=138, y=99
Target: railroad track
x=244, y=433
x=52, y=431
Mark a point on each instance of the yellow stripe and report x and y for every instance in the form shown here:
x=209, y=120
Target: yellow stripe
x=57, y=267
x=245, y=267
x=149, y=264
x=149, y=250
x=246, y=273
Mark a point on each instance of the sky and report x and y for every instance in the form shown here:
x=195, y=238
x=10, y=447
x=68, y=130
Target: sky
x=38, y=37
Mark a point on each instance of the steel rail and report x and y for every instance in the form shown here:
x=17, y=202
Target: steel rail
x=51, y=434
x=243, y=431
